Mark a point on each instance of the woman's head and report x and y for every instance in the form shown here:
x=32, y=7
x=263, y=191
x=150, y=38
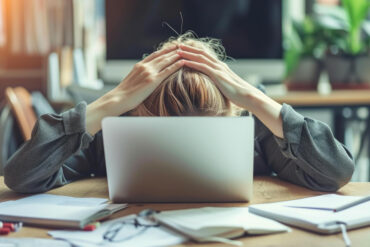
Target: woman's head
x=188, y=92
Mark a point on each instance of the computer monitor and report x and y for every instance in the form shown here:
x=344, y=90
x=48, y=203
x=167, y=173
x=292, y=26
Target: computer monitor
x=250, y=30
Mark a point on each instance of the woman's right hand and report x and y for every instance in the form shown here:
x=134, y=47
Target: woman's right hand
x=143, y=79
x=235, y=88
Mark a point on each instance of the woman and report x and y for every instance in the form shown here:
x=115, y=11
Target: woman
x=186, y=76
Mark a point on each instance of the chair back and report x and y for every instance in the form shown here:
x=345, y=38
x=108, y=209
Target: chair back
x=20, y=102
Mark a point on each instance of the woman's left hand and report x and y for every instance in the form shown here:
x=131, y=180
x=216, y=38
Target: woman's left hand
x=238, y=91
x=230, y=84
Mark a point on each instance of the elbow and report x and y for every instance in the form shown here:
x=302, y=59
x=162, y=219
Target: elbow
x=22, y=187
x=10, y=177
x=14, y=184
x=343, y=174
x=334, y=179
x=14, y=180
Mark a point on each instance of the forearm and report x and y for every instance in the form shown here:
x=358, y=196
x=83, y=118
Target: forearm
x=37, y=165
x=141, y=82
x=309, y=155
x=111, y=104
x=265, y=109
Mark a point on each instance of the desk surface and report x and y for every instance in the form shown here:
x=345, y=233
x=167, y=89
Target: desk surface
x=335, y=98
x=266, y=189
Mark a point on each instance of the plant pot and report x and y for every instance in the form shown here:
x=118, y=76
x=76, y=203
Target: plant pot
x=305, y=76
x=348, y=72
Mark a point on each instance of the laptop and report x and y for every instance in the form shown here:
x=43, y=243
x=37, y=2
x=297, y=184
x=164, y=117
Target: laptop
x=179, y=159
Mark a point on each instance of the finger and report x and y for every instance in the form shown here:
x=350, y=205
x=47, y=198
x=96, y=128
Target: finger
x=197, y=51
x=204, y=68
x=159, y=53
x=164, y=61
x=166, y=72
x=196, y=58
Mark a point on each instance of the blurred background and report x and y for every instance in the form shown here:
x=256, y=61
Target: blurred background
x=311, y=54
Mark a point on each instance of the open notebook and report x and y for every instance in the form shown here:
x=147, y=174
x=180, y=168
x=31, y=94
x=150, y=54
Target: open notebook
x=57, y=211
x=323, y=214
x=217, y=224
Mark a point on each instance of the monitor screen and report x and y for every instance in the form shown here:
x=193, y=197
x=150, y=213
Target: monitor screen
x=249, y=29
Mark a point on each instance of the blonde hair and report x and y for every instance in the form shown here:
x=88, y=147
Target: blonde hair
x=188, y=92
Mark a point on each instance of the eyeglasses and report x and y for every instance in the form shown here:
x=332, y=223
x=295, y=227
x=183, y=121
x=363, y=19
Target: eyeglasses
x=125, y=230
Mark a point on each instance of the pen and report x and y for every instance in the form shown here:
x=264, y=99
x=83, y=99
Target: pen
x=4, y=231
x=354, y=203
x=92, y=226
x=8, y=225
x=12, y=226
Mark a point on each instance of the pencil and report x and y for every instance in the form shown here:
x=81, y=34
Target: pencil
x=354, y=203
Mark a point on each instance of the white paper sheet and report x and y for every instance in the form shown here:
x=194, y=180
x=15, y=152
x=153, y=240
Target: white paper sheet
x=129, y=236
x=48, y=199
x=350, y=216
x=328, y=202
x=221, y=217
x=51, y=209
x=32, y=242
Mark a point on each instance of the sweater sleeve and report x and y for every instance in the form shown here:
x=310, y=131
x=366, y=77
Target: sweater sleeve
x=309, y=155
x=57, y=153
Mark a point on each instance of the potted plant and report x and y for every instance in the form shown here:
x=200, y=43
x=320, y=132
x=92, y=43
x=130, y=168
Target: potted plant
x=304, y=49
x=348, y=59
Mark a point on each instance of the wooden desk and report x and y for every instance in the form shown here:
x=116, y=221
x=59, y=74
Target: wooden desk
x=335, y=98
x=266, y=189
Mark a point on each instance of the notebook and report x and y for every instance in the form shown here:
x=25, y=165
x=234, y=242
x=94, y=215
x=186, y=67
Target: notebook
x=57, y=211
x=217, y=224
x=319, y=214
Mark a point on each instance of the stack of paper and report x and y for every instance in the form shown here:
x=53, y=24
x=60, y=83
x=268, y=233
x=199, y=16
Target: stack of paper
x=32, y=242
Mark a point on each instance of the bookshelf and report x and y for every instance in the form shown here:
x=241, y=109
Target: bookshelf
x=31, y=79
x=18, y=68
x=32, y=31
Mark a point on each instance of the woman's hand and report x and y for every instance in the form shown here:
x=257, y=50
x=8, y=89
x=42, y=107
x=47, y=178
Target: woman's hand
x=235, y=88
x=146, y=76
x=143, y=79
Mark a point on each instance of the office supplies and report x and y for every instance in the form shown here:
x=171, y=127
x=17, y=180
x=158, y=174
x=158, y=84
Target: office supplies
x=131, y=230
x=91, y=226
x=57, y=211
x=179, y=159
x=4, y=231
x=313, y=217
x=337, y=202
x=218, y=224
x=12, y=226
x=354, y=203
x=7, y=225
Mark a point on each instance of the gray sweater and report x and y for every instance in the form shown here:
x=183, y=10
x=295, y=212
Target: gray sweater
x=61, y=151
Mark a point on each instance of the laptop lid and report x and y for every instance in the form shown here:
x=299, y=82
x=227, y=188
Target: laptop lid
x=179, y=159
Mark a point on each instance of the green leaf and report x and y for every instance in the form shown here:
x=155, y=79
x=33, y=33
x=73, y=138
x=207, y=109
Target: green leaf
x=356, y=11
x=292, y=52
